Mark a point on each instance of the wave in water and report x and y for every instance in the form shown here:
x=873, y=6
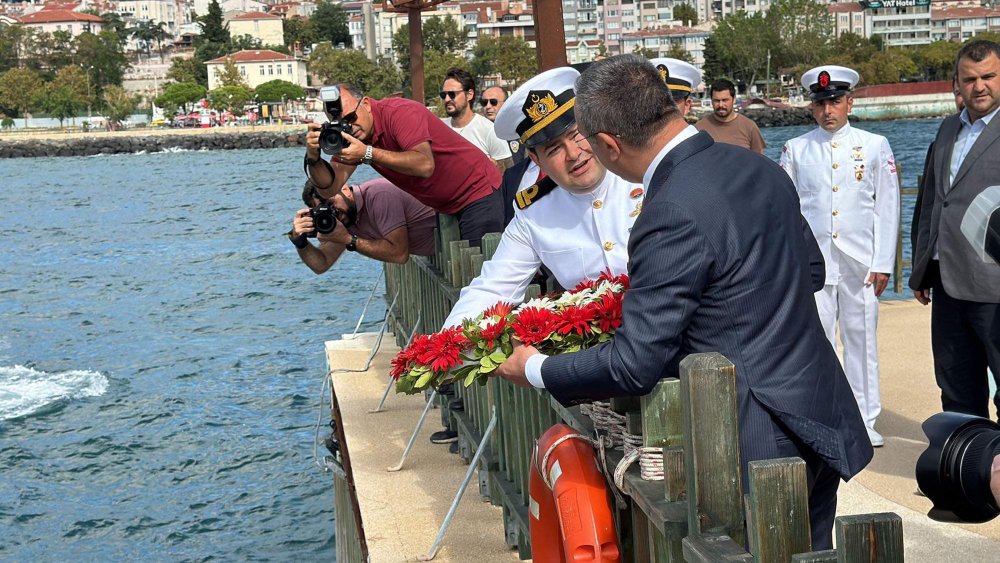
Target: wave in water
x=24, y=390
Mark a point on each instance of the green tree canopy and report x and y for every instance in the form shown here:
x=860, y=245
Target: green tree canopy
x=230, y=75
x=436, y=65
x=348, y=65
x=66, y=94
x=119, y=104
x=679, y=53
x=686, y=14
x=180, y=95
x=21, y=89
x=299, y=30
x=276, y=90
x=509, y=57
x=187, y=70
x=805, y=30
x=329, y=23
x=443, y=35
x=213, y=28
x=936, y=61
x=729, y=53
x=230, y=98
x=105, y=54
x=887, y=67
x=645, y=52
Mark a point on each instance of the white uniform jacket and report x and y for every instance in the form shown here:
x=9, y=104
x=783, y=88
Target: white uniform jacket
x=577, y=236
x=849, y=193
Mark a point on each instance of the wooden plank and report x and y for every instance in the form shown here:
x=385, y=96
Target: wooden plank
x=869, y=537
x=713, y=549
x=489, y=245
x=641, y=550
x=779, y=509
x=826, y=556
x=711, y=442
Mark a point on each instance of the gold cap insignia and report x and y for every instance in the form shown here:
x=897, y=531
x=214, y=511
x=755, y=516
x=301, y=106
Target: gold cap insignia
x=664, y=72
x=540, y=106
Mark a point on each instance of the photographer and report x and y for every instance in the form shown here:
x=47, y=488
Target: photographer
x=375, y=219
x=412, y=148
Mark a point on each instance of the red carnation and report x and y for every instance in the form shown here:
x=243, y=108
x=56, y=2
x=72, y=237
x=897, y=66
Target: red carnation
x=446, y=347
x=500, y=309
x=533, y=325
x=585, y=284
x=421, y=350
x=608, y=311
x=575, y=319
x=606, y=275
x=400, y=364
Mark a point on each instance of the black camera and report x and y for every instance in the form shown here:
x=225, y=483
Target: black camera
x=330, y=140
x=954, y=470
x=324, y=218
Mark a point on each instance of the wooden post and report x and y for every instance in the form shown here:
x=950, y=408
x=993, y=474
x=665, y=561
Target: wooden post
x=870, y=537
x=550, y=38
x=711, y=443
x=779, y=495
x=897, y=269
x=416, y=55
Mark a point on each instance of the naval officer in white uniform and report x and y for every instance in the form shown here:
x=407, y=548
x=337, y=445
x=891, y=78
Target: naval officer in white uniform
x=682, y=79
x=576, y=219
x=849, y=193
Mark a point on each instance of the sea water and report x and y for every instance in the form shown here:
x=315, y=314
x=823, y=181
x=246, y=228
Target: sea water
x=161, y=354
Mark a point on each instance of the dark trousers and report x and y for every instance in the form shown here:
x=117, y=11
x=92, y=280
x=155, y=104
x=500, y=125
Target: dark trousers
x=965, y=338
x=822, y=482
x=485, y=215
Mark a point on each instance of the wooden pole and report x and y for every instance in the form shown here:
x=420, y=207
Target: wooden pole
x=416, y=55
x=550, y=39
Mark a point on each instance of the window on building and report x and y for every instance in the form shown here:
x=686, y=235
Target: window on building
x=289, y=69
x=270, y=70
x=279, y=69
x=243, y=70
x=261, y=70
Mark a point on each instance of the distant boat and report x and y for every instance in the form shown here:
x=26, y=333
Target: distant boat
x=904, y=100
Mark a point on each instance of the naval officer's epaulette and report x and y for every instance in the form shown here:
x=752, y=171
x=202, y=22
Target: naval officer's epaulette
x=535, y=192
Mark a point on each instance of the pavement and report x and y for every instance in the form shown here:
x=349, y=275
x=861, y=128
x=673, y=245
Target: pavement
x=403, y=510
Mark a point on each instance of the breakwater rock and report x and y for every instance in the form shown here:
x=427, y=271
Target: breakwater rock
x=135, y=143
x=779, y=117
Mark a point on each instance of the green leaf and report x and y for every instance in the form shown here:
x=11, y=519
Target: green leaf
x=424, y=380
x=470, y=378
x=498, y=357
x=487, y=364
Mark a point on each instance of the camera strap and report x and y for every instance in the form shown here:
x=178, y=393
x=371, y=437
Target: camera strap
x=306, y=163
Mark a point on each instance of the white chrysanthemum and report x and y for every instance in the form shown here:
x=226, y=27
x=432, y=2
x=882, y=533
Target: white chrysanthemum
x=606, y=286
x=581, y=297
x=538, y=303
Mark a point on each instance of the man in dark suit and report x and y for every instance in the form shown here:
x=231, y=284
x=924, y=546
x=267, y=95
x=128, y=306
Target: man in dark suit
x=719, y=261
x=965, y=321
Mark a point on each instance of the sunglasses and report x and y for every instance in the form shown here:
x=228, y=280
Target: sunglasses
x=489, y=102
x=450, y=93
x=350, y=118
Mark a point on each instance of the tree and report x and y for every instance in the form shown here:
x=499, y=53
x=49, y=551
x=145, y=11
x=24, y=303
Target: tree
x=66, y=94
x=119, y=104
x=436, y=65
x=686, y=14
x=231, y=74
x=329, y=23
x=679, y=53
x=439, y=34
x=180, y=95
x=510, y=57
x=299, y=30
x=213, y=29
x=645, y=52
x=888, y=67
x=728, y=52
x=936, y=61
x=805, y=29
x=278, y=90
x=144, y=35
x=187, y=70
x=352, y=66
x=105, y=54
x=230, y=98
x=21, y=90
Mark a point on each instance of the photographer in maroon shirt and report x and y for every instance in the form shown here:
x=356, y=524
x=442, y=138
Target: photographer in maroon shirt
x=412, y=148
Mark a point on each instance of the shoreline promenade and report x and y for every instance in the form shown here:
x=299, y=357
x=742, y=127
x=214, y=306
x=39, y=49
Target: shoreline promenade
x=402, y=511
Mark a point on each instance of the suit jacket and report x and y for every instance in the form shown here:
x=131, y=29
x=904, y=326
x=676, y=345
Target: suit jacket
x=718, y=261
x=937, y=222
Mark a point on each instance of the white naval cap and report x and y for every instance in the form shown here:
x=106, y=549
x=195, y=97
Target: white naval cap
x=540, y=110
x=682, y=78
x=829, y=81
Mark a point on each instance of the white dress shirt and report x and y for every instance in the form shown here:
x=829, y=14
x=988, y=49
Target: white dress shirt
x=849, y=193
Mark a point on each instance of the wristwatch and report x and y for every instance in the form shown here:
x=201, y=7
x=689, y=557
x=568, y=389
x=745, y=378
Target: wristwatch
x=367, y=159
x=353, y=245
x=300, y=241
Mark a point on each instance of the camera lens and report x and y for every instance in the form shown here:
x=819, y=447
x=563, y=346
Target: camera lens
x=324, y=218
x=954, y=470
x=330, y=140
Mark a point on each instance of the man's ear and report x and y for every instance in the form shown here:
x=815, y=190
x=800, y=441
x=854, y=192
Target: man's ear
x=612, y=145
x=532, y=156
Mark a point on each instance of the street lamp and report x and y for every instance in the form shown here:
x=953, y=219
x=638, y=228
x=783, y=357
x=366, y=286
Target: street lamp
x=89, y=115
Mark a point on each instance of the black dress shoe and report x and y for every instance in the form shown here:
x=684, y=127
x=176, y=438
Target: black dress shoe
x=458, y=405
x=453, y=447
x=444, y=437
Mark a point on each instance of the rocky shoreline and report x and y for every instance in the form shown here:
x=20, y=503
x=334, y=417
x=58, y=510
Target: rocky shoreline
x=195, y=140
x=124, y=144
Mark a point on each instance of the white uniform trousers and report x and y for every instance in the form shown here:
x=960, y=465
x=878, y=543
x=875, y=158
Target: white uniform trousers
x=854, y=304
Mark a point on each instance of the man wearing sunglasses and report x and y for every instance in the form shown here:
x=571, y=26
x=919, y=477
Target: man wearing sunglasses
x=492, y=100
x=458, y=94
x=375, y=219
x=412, y=148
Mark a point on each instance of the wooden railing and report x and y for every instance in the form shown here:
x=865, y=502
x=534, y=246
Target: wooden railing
x=699, y=512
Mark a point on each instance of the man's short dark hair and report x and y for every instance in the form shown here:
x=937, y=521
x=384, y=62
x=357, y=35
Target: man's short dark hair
x=463, y=77
x=977, y=51
x=635, y=120
x=723, y=84
x=310, y=192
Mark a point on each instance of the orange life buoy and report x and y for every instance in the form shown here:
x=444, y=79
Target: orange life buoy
x=570, y=517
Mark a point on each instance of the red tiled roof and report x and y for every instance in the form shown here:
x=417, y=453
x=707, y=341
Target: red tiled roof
x=258, y=56
x=56, y=16
x=256, y=16
x=844, y=7
x=961, y=13
x=657, y=32
x=904, y=89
